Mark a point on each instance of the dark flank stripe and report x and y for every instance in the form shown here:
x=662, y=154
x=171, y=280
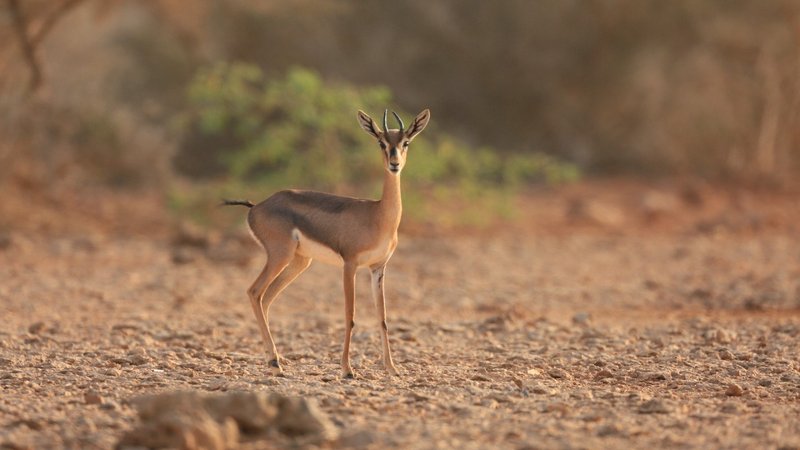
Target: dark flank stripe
x=309, y=228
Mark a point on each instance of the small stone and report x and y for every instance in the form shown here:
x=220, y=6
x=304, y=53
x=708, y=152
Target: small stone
x=417, y=397
x=725, y=355
x=480, y=377
x=559, y=407
x=655, y=376
x=190, y=235
x=594, y=212
x=92, y=398
x=85, y=243
x=358, y=439
x=730, y=408
x=719, y=335
x=488, y=403
x=538, y=389
x=86, y=424
x=608, y=430
x=36, y=328
x=33, y=424
x=137, y=360
x=5, y=241
x=734, y=390
x=499, y=398
x=593, y=416
x=582, y=394
x=602, y=374
x=137, y=357
x=109, y=405
x=217, y=384
x=582, y=318
x=558, y=373
x=183, y=255
x=651, y=284
x=591, y=336
x=655, y=406
x=462, y=410
x=452, y=328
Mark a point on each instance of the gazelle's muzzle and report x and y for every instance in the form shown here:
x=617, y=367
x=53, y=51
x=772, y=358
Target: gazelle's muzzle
x=394, y=160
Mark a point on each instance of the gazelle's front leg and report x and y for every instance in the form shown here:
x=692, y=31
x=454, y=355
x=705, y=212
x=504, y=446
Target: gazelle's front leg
x=380, y=309
x=349, y=279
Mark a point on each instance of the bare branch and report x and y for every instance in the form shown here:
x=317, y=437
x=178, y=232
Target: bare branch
x=50, y=21
x=27, y=47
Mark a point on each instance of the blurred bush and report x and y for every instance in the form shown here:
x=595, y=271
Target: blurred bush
x=51, y=148
x=299, y=131
x=688, y=87
x=704, y=88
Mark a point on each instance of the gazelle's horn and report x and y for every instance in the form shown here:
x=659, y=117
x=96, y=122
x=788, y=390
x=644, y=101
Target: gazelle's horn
x=385, y=125
x=399, y=120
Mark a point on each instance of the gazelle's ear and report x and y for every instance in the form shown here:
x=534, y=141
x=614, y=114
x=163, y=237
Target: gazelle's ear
x=369, y=125
x=419, y=124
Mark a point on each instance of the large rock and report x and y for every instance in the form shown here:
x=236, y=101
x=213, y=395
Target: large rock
x=179, y=420
x=192, y=420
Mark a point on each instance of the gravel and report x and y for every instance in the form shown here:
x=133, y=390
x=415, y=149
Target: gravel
x=511, y=342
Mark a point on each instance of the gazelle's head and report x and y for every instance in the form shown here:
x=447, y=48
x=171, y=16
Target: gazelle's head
x=394, y=142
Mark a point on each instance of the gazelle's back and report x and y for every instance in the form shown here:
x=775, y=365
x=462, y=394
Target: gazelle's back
x=324, y=218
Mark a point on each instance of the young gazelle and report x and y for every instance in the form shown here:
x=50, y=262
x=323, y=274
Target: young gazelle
x=295, y=227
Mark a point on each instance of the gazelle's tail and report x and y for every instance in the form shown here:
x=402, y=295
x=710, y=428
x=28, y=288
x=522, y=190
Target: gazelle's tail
x=226, y=202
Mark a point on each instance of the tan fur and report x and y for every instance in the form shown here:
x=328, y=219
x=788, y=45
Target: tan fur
x=295, y=227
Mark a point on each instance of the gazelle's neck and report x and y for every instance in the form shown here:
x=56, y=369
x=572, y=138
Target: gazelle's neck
x=391, y=204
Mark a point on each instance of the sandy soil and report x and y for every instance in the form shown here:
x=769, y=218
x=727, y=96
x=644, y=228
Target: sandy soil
x=575, y=339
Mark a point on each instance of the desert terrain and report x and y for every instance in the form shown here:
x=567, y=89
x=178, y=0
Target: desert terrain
x=605, y=318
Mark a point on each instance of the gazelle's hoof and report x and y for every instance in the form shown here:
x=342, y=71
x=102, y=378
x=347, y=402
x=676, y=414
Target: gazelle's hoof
x=348, y=375
x=275, y=368
x=392, y=370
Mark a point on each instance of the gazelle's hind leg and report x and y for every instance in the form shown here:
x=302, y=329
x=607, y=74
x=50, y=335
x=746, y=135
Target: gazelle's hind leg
x=277, y=261
x=289, y=274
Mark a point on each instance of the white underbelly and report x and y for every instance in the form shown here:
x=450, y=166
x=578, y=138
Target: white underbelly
x=320, y=252
x=312, y=249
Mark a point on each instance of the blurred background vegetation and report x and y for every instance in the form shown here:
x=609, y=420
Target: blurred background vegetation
x=200, y=99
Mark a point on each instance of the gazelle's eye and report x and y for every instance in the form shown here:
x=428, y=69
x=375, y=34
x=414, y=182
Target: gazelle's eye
x=383, y=146
x=405, y=144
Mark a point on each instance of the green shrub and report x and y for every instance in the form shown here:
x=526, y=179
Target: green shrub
x=301, y=132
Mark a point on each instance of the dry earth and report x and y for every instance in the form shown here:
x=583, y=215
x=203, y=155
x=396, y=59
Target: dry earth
x=581, y=339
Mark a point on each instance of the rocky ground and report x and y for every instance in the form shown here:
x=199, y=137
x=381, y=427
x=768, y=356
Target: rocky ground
x=535, y=340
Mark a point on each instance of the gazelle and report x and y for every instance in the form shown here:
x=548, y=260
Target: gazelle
x=295, y=227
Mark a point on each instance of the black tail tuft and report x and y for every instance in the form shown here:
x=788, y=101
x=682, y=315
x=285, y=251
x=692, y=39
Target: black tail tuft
x=226, y=202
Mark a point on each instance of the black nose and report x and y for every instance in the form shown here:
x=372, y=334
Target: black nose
x=394, y=165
